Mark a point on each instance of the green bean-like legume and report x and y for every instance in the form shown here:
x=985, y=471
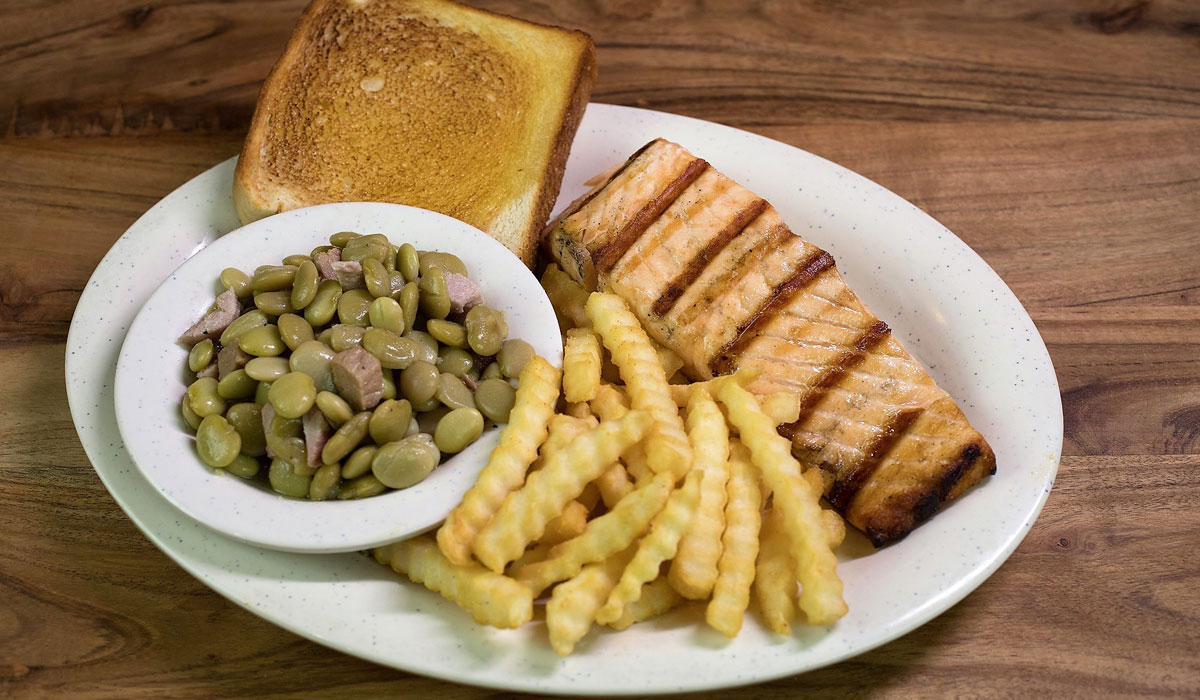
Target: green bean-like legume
x=263, y=341
x=200, y=355
x=204, y=399
x=306, y=284
x=359, y=462
x=217, y=442
x=324, y=303
x=457, y=429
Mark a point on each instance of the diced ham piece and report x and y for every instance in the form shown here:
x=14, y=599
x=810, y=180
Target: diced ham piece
x=316, y=433
x=324, y=262
x=463, y=292
x=268, y=416
x=230, y=359
x=209, y=371
x=215, y=321
x=349, y=274
x=358, y=377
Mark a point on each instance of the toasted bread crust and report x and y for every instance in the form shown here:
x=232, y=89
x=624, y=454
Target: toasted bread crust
x=585, y=79
x=334, y=139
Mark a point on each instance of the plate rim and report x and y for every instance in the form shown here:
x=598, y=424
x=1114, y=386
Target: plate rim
x=946, y=599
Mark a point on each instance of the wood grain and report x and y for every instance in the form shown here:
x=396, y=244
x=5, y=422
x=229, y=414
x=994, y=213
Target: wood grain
x=1060, y=140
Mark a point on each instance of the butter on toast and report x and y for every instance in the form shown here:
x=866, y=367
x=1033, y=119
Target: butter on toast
x=421, y=102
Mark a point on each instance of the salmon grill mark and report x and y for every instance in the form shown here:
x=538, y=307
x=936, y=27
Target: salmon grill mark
x=695, y=267
x=834, y=373
x=848, y=483
x=608, y=254
x=592, y=195
x=776, y=237
x=725, y=361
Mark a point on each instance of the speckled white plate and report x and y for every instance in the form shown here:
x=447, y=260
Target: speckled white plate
x=941, y=299
x=150, y=381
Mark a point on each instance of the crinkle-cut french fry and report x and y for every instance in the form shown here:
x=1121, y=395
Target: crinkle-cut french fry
x=492, y=599
x=781, y=406
x=815, y=481
x=613, y=485
x=731, y=593
x=534, y=554
x=656, y=547
x=505, y=470
x=579, y=410
x=581, y=365
x=563, y=429
x=694, y=569
x=566, y=295
x=835, y=527
x=572, y=607
x=667, y=447
x=610, y=403
x=603, y=536
x=671, y=362
x=657, y=598
x=682, y=393
x=567, y=524
x=816, y=566
x=775, y=584
x=523, y=516
x=590, y=496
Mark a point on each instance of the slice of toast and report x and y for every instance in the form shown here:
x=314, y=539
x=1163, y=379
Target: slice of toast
x=421, y=102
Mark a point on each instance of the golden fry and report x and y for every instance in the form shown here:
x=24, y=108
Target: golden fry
x=781, y=406
x=581, y=365
x=694, y=569
x=505, y=470
x=835, y=527
x=816, y=566
x=682, y=393
x=567, y=524
x=566, y=296
x=613, y=485
x=671, y=362
x=775, y=576
x=603, y=536
x=731, y=593
x=579, y=410
x=573, y=605
x=610, y=403
x=667, y=447
x=491, y=599
x=658, y=546
x=657, y=598
x=523, y=516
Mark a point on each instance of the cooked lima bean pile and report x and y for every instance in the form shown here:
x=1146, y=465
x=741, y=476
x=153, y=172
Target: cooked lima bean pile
x=349, y=371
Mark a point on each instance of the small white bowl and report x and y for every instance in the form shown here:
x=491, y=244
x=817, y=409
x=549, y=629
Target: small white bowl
x=151, y=379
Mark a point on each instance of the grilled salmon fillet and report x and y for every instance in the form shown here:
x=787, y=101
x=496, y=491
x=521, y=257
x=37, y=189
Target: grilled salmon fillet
x=715, y=274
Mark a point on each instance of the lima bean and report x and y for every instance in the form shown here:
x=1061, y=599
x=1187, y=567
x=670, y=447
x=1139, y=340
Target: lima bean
x=246, y=419
x=292, y=395
x=263, y=341
x=306, y=284
x=457, y=429
x=200, y=355
x=402, y=463
x=347, y=437
x=217, y=442
x=324, y=304
x=203, y=398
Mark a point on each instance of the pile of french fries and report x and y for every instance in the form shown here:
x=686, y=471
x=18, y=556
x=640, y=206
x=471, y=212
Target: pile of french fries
x=631, y=493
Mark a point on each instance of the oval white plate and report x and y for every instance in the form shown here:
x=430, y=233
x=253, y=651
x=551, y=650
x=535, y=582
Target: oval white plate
x=943, y=302
x=150, y=381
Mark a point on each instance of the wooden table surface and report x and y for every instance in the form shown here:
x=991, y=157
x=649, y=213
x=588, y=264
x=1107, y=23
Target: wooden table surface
x=1060, y=140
